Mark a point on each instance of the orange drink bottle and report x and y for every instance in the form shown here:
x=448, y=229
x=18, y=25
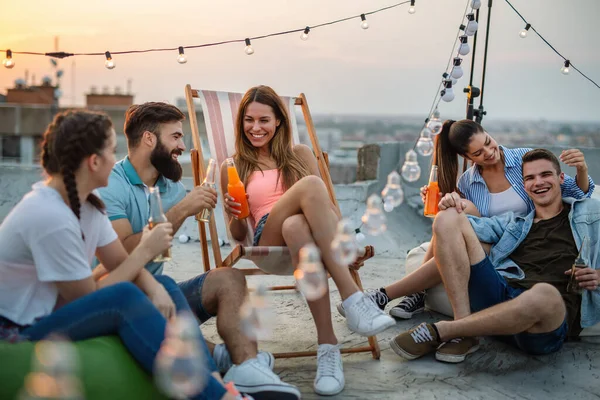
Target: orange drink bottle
x=433, y=194
x=235, y=188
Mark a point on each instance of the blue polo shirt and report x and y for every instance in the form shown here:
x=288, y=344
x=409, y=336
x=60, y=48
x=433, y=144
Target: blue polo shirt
x=126, y=196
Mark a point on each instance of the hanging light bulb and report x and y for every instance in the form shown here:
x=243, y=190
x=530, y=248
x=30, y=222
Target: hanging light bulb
x=448, y=93
x=411, y=9
x=435, y=123
x=364, y=24
x=472, y=25
x=425, y=144
x=392, y=193
x=476, y=4
x=464, y=48
x=109, y=63
x=8, y=62
x=310, y=274
x=457, y=71
x=181, y=58
x=248, y=49
x=374, y=218
x=411, y=171
x=304, y=35
x=565, y=68
x=523, y=33
x=256, y=315
x=359, y=235
x=180, y=367
x=446, y=75
x=344, y=246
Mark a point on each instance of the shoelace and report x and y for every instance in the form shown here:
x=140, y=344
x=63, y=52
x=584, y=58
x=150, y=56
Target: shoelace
x=378, y=297
x=421, y=334
x=365, y=310
x=328, y=361
x=411, y=301
x=457, y=340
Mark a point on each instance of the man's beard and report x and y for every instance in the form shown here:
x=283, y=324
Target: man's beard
x=161, y=159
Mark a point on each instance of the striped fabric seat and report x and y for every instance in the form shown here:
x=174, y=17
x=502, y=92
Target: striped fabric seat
x=220, y=111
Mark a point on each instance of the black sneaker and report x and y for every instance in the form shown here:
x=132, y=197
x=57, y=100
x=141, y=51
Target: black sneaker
x=376, y=295
x=409, y=306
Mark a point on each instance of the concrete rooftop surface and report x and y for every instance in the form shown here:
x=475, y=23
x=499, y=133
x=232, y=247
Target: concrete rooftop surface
x=496, y=371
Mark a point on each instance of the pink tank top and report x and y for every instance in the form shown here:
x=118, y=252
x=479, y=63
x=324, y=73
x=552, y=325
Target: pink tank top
x=263, y=189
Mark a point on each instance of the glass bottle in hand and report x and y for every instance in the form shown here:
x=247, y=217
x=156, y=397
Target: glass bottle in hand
x=157, y=216
x=209, y=181
x=581, y=261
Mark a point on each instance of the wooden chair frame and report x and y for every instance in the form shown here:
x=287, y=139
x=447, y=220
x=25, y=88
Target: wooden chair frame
x=238, y=251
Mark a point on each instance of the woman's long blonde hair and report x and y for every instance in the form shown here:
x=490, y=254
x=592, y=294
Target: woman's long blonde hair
x=290, y=166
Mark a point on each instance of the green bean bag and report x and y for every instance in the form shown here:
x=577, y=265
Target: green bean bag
x=107, y=370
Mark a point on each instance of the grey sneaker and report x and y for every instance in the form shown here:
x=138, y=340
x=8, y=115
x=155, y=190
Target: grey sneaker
x=409, y=306
x=376, y=295
x=223, y=359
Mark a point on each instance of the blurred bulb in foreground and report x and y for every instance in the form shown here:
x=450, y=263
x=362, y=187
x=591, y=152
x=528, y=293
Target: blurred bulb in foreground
x=310, y=274
x=424, y=144
x=411, y=171
x=257, y=318
x=344, y=246
x=374, y=219
x=435, y=123
x=392, y=193
x=359, y=235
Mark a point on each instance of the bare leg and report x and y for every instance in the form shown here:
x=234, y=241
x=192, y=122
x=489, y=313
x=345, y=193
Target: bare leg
x=424, y=277
x=223, y=293
x=538, y=310
x=456, y=249
x=309, y=197
x=296, y=233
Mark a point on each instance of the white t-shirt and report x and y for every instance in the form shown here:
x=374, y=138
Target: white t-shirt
x=41, y=243
x=509, y=200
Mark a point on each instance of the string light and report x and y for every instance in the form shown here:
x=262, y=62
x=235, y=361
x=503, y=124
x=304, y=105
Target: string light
x=446, y=75
x=364, y=24
x=411, y=9
x=181, y=59
x=425, y=144
x=476, y=4
x=304, y=35
x=457, y=71
x=448, y=93
x=435, y=123
x=471, y=25
x=464, y=48
x=523, y=33
x=565, y=69
x=109, y=63
x=8, y=62
x=249, y=50
x=359, y=235
x=411, y=171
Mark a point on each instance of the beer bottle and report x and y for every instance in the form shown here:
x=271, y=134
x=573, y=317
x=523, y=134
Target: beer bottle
x=157, y=216
x=581, y=261
x=209, y=181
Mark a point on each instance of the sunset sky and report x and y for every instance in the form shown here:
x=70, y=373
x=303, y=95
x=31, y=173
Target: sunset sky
x=393, y=68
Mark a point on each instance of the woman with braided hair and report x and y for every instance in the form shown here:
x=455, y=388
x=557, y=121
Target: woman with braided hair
x=48, y=241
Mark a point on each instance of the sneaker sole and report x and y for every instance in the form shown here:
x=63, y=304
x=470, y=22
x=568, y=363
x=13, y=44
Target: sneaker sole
x=405, y=314
x=270, y=391
x=455, y=358
x=341, y=310
x=329, y=393
x=401, y=352
x=374, y=332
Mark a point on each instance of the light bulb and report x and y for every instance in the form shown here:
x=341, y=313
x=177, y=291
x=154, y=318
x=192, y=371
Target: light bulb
x=310, y=274
x=392, y=193
x=183, y=238
x=457, y=71
x=179, y=367
x=448, y=93
x=256, y=316
x=411, y=9
x=411, y=171
x=523, y=33
x=476, y=4
x=435, y=123
x=248, y=49
x=359, y=235
x=304, y=35
x=565, y=68
x=181, y=58
x=109, y=63
x=8, y=62
x=364, y=24
x=374, y=219
x=464, y=48
x=425, y=144
x=343, y=245
x=472, y=25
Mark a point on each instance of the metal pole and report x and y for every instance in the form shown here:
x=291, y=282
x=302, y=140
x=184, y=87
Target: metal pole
x=470, y=90
x=480, y=111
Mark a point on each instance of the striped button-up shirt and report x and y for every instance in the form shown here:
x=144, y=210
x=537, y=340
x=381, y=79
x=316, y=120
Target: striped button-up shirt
x=473, y=187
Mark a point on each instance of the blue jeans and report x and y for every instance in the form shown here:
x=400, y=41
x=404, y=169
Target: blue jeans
x=259, y=229
x=488, y=288
x=192, y=290
x=124, y=310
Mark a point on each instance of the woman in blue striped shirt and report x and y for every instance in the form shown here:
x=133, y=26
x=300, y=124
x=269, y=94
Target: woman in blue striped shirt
x=492, y=186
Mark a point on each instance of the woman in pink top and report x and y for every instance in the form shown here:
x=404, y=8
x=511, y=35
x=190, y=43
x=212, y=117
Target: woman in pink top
x=289, y=200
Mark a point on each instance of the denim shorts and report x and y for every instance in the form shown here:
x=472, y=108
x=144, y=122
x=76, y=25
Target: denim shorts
x=192, y=290
x=488, y=288
x=259, y=228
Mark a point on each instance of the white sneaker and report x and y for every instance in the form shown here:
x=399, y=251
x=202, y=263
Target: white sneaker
x=330, y=373
x=365, y=318
x=223, y=358
x=256, y=379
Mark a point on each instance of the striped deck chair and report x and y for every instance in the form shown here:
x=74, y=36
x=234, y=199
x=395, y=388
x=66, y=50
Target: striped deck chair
x=220, y=109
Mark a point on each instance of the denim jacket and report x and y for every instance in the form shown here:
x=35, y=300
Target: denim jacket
x=506, y=232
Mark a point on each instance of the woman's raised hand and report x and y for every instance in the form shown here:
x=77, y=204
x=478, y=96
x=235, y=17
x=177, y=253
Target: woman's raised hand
x=231, y=207
x=573, y=158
